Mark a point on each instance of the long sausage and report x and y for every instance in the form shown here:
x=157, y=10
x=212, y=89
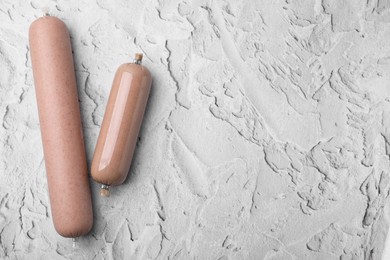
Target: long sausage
x=121, y=124
x=61, y=130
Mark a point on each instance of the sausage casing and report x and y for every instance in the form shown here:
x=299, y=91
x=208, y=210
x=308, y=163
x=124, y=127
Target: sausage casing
x=121, y=124
x=61, y=129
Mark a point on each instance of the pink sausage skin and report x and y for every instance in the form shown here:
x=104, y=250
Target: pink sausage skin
x=61, y=129
x=121, y=124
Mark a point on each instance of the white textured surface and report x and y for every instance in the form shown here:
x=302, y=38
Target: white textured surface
x=267, y=134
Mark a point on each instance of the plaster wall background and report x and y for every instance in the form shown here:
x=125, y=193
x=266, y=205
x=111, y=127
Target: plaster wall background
x=267, y=132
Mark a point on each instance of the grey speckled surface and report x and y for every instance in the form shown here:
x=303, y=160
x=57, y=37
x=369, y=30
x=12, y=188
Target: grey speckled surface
x=267, y=134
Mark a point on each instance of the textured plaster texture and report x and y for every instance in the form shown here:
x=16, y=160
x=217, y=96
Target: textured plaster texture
x=267, y=132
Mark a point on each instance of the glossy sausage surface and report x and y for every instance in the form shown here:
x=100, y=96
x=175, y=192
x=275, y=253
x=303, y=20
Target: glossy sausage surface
x=61, y=130
x=121, y=124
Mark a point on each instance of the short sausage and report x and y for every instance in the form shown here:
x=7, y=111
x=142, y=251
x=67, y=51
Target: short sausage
x=121, y=124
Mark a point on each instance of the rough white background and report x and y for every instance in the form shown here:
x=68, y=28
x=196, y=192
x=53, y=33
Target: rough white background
x=267, y=133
